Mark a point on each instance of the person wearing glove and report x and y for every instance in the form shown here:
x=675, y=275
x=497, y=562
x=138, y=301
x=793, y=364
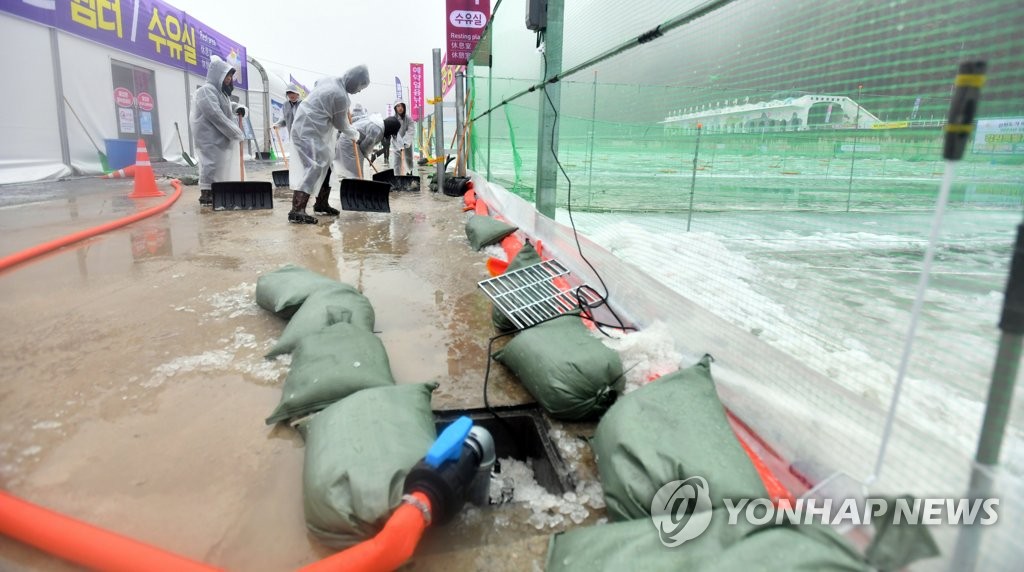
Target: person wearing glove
x=401, y=145
x=371, y=133
x=324, y=110
x=216, y=128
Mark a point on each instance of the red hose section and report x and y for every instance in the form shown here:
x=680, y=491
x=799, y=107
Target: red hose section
x=391, y=548
x=12, y=260
x=85, y=544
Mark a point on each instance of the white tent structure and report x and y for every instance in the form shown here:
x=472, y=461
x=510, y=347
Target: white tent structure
x=82, y=76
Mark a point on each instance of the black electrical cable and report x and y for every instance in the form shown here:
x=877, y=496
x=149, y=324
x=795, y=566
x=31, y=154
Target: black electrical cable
x=602, y=300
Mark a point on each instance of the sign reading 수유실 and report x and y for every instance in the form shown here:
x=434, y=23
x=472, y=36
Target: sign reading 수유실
x=150, y=29
x=466, y=22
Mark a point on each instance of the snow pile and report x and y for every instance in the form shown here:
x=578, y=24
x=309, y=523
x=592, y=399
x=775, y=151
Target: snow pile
x=495, y=251
x=235, y=302
x=646, y=355
x=516, y=483
x=234, y=358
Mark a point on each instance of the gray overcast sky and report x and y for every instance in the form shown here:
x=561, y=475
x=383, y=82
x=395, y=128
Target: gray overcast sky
x=309, y=36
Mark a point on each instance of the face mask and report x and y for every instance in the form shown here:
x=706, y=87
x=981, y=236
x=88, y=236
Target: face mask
x=227, y=89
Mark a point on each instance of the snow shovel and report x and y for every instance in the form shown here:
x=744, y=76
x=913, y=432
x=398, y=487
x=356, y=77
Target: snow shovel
x=184, y=155
x=103, y=156
x=240, y=195
x=361, y=195
x=408, y=183
x=280, y=176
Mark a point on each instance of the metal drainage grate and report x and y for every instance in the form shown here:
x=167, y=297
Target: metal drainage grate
x=528, y=296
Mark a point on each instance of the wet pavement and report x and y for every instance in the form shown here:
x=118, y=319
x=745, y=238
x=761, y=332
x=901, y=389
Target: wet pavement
x=135, y=389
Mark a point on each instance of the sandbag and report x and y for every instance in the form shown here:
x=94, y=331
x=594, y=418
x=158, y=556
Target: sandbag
x=567, y=370
x=358, y=452
x=527, y=256
x=284, y=290
x=321, y=309
x=635, y=545
x=330, y=365
x=484, y=231
x=670, y=429
x=723, y=547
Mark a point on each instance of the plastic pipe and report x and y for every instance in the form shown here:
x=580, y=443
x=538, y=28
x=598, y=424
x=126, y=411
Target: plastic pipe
x=391, y=548
x=85, y=544
x=12, y=260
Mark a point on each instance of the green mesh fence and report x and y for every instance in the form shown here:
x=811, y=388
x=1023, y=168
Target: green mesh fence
x=800, y=210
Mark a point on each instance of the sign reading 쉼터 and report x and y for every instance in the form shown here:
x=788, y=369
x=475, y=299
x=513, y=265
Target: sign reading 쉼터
x=150, y=29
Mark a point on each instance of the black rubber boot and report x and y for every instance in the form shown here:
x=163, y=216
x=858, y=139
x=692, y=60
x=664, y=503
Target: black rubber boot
x=321, y=206
x=298, y=213
x=205, y=197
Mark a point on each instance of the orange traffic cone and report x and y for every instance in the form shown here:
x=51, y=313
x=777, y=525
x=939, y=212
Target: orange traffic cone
x=126, y=173
x=145, y=180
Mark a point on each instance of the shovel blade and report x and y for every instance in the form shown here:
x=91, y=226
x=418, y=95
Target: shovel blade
x=280, y=178
x=242, y=196
x=360, y=195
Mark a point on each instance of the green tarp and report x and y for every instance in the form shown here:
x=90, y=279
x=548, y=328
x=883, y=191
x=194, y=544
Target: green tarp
x=358, y=452
x=567, y=370
x=329, y=365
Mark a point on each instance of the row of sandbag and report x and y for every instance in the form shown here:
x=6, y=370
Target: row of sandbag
x=669, y=430
x=369, y=432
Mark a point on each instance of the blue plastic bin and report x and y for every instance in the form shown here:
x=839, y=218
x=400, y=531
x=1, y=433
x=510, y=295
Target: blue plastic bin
x=120, y=152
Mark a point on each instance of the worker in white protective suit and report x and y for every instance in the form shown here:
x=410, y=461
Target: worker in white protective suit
x=351, y=152
x=286, y=121
x=215, y=128
x=401, y=144
x=324, y=110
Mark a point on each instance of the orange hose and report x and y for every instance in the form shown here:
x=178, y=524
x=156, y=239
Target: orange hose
x=32, y=252
x=391, y=548
x=85, y=544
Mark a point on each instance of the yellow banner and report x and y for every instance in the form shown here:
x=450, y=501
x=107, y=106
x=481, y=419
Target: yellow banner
x=891, y=125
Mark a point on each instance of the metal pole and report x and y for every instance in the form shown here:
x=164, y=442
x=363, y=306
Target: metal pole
x=550, y=101
x=58, y=84
x=590, y=169
x=693, y=178
x=188, y=113
x=490, y=93
x=266, y=101
x=853, y=155
x=460, y=109
x=438, y=121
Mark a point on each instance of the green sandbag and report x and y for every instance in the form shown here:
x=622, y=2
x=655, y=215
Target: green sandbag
x=670, y=429
x=358, y=452
x=527, y=256
x=635, y=545
x=805, y=548
x=321, y=309
x=567, y=370
x=284, y=290
x=723, y=547
x=330, y=365
x=484, y=231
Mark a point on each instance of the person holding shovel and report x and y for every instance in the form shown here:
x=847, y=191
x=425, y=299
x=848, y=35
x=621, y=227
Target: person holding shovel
x=288, y=109
x=401, y=145
x=216, y=128
x=324, y=110
x=351, y=152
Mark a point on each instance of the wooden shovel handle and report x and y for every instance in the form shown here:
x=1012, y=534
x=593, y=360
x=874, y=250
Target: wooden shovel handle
x=281, y=145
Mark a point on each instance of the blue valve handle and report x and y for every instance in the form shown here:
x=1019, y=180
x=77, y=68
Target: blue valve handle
x=448, y=445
